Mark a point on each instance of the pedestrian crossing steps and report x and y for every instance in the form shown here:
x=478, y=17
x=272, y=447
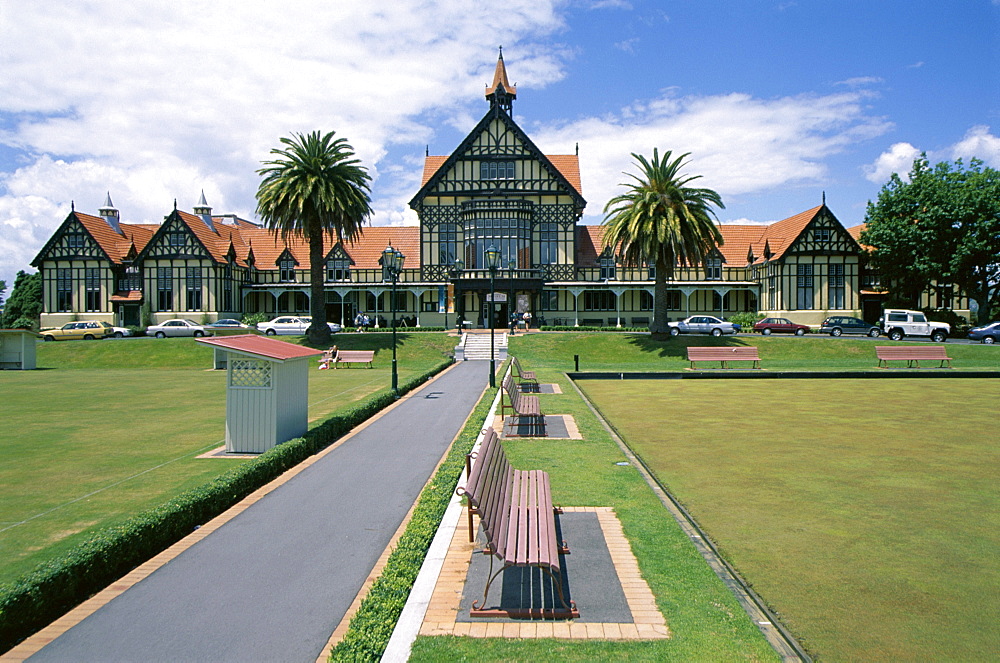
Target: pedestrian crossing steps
x=476, y=347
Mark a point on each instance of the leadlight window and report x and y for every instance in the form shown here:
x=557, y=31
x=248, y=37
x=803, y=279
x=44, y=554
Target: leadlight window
x=164, y=289
x=194, y=289
x=287, y=270
x=447, y=243
x=821, y=234
x=805, y=287
x=713, y=269
x=548, y=300
x=74, y=241
x=548, y=247
x=835, y=286
x=131, y=279
x=93, y=289
x=176, y=239
x=598, y=300
x=496, y=170
x=607, y=263
x=64, y=289
x=511, y=236
x=338, y=269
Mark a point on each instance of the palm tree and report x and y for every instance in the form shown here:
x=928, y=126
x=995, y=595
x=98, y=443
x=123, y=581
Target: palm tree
x=314, y=188
x=661, y=219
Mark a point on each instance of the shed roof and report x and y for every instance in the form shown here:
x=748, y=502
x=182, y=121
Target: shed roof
x=261, y=346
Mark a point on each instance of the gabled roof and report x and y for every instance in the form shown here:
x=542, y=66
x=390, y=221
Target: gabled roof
x=568, y=166
x=115, y=245
x=261, y=346
x=570, y=179
x=589, y=245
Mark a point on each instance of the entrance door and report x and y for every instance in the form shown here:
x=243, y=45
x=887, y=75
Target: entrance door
x=499, y=315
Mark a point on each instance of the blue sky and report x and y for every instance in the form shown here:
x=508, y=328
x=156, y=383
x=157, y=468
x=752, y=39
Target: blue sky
x=776, y=101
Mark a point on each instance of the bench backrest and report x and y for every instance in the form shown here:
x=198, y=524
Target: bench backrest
x=912, y=352
x=739, y=352
x=356, y=355
x=488, y=488
x=513, y=394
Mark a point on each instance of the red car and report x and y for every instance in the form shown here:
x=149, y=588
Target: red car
x=780, y=326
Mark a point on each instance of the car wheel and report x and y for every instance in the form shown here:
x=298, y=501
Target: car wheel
x=836, y=331
x=939, y=337
x=198, y=333
x=88, y=337
x=674, y=331
x=48, y=338
x=119, y=335
x=800, y=332
x=716, y=332
x=765, y=332
x=873, y=333
x=160, y=335
x=988, y=340
x=896, y=335
x=270, y=332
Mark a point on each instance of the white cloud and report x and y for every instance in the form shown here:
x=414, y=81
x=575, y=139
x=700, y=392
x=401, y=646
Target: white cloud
x=898, y=159
x=977, y=143
x=738, y=143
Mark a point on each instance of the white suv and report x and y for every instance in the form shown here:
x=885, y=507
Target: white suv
x=897, y=323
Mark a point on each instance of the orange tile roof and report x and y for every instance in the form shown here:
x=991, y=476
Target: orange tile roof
x=125, y=296
x=589, y=245
x=365, y=251
x=737, y=240
x=568, y=166
x=500, y=76
x=779, y=235
x=263, y=346
x=116, y=245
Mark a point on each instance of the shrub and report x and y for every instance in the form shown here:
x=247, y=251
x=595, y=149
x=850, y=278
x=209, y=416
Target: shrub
x=746, y=320
x=42, y=595
x=23, y=323
x=253, y=318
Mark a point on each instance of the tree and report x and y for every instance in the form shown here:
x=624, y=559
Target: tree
x=25, y=301
x=940, y=227
x=315, y=188
x=661, y=219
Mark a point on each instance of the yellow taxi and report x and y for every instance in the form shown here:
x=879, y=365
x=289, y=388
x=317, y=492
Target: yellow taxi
x=85, y=329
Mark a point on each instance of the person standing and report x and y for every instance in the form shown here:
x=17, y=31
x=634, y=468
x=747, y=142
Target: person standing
x=359, y=322
x=527, y=320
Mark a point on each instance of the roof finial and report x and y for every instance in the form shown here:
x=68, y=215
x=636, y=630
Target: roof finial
x=824, y=197
x=175, y=204
x=578, y=149
x=427, y=150
x=72, y=205
x=501, y=93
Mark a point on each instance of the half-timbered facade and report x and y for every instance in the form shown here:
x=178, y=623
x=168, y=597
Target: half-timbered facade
x=496, y=189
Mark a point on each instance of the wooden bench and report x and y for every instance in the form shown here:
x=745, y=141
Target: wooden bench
x=912, y=355
x=724, y=355
x=523, y=375
x=354, y=357
x=525, y=406
x=518, y=519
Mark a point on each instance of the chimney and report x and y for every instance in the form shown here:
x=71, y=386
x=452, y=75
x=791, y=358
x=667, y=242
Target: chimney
x=110, y=215
x=205, y=212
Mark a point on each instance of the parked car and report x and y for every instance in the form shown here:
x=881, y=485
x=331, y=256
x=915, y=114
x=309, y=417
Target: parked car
x=988, y=334
x=780, y=326
x=291, y=325
x=898, y=323
x=88, y=330
x=177, y=327
x=703, y=324
x=121, y=332
x=838, y=325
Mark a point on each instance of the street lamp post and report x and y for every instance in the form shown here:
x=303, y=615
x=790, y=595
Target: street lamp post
x=392, y=266
x=455, y=272
x=511, y=309
x=492, y=262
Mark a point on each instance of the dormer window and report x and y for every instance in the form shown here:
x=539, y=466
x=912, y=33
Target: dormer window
x=496, y=170
x=338, y=269
x=713, y=269
x=287, y=270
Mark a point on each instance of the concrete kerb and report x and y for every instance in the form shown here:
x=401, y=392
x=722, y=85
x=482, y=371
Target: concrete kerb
x=412, y=617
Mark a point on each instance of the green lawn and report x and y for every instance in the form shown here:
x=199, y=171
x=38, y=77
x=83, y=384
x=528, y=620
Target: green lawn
x=108, y=428
x=866, y=513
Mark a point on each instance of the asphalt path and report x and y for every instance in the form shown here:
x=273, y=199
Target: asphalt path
x=274, y=582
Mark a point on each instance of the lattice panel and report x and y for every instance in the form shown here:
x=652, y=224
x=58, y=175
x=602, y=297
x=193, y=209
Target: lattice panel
x=250, y=374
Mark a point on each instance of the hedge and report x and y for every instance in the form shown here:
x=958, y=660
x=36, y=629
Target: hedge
x=372, y=625
x=45, y=593
x=583, y=328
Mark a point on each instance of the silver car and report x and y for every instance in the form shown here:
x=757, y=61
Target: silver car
x=291, y=325
x=703, y=324
x=177, y=327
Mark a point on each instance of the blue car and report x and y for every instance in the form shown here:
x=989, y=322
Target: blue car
x=988, y=334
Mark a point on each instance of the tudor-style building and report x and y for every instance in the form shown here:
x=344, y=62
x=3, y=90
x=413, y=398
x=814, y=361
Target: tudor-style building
x=497, y=189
